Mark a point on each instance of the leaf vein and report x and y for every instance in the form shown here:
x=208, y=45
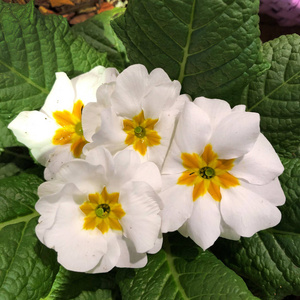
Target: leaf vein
x=151, y=40
x=154, y=21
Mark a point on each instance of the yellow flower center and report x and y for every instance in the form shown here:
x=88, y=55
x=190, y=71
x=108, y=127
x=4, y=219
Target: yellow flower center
x=102, y=211
x=207, y=173
x=71, y=131
x=141, y=133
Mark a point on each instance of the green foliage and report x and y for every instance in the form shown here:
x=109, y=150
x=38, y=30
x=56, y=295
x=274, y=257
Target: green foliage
x=275, y=95
x=97, y=32
x=71, y=285
x=270, y=259
x=211, y=47
x=182, y=271
x=32, y=48
x=15, y=160
x=27, y=268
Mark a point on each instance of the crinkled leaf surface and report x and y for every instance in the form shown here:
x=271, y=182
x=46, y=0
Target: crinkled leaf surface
x=32, y=48
x=81, y=286
x=182, y=271
x=211, y=46
x=97, y=32
x=275, y=95
x=27, y=268
x=270, y=259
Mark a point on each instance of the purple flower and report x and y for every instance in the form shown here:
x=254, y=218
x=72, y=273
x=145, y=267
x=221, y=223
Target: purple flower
x=286, y=12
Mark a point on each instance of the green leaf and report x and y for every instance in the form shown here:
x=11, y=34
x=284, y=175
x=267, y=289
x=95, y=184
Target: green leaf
x=211, y=46
x=270, y=259
x=97, y=295
x=27, y=268
x=275, y=95
x=71, y=285
x=32, y=48
x=14, y=160
x=97, y=32
x=181, y=271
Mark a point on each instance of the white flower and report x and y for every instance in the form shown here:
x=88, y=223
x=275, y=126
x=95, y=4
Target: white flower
x=220, y=177
x=54, y=134
x=142, y=115
x=101, y=212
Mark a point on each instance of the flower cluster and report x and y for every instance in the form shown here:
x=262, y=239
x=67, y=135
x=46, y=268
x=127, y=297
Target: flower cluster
x=128, y=158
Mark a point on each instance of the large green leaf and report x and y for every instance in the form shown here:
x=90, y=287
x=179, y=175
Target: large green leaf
x=211, y=46
x=270, y=259
x=72, y=285
x=32, y=48
x=27, y=268
x=182, y=271
x=97, y=32
x=276, y=95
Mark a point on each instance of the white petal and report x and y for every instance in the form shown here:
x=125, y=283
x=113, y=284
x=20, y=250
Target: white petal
x=216, y=109
x=193, y=129
x=203, y=225
x=158, y=76
x=178, y=207
x=104, y=93
x=246, y=212
x=183, y=230
x=111, y=134
x=142, y=222
x=56, y=159
x=129, y=258
x=131, y=87
x=160, y=98
x=48, y=203
x=50, y=187
x=157, y=245
x=149, y=173
x=89, y=180
x=240, y=107
x=259, y=166
x=227, y=232
x=126, y=163
x=169, y=180
x=165, y=128
x=99, y=156
x=111, y=74
x=91, y=120
x=61, y=96
x=112, y=255
x=35, y=130
x=78, y=249
x=235, y=135
x=272, y=191
x=86, y=85
x=173, y=162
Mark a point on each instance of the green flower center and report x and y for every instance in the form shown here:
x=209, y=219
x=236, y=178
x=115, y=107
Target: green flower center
x=78, y=129
x=207, y=172
x=102, y=211
x=139, y=132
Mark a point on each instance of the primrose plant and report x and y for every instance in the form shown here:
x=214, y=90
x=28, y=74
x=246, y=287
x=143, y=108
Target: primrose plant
x=153, y=155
